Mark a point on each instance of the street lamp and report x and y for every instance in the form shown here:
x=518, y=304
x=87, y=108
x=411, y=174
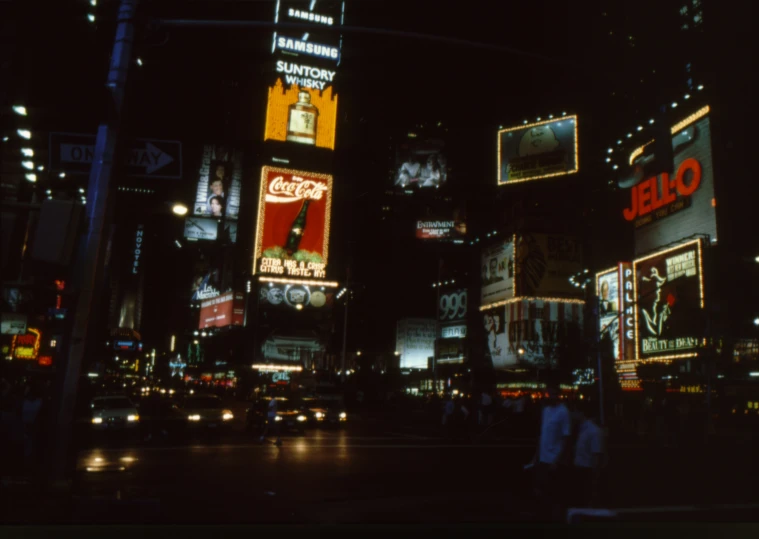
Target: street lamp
x=756, y=321
x=358, y=353
x=179, y=209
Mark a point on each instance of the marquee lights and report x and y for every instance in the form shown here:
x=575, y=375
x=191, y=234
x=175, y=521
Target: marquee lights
x=572, y=118
x=26, y=346
x=327, y=284
x=700, y=257
x=679, y=126
x=259, y=366
x=530, y=298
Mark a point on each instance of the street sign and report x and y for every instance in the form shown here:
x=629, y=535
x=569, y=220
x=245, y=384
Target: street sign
x=73, y=153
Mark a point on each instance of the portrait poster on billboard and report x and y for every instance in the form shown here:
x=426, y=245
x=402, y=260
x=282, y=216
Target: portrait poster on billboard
x=610, y=305
x=529, y=332
x=217, y=194
x=292, y=236
x=497, y=273
x=544, y=263
x=415, y=341
x=540, y=150
x=668, y=207
x=669, y=288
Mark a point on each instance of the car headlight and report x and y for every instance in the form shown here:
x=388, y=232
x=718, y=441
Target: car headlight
x=194, y=417
x=97, y=420
x=133, y=418
x=301, y=418
x=277, y=418
x=226, y=415
x=343, y=415
x=319, y=415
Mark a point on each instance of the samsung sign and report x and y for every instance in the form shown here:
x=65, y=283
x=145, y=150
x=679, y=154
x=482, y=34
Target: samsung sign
x=306, y=47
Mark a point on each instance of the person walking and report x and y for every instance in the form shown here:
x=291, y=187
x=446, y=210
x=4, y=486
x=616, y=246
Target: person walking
x=588, y=456
x=555, y=432
x=271, y=421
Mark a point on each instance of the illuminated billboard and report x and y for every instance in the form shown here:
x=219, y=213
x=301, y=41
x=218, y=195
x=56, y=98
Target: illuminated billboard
x=421, y=165
x=319, y=42
x=224, y=310
x=26, y=346
x=667, y=208
x=292, y=236
x=497, y=272
x=296, y=296
x=540, y=150
x=616, y=320
x=301, y=114
x=529, y=333
x=415, y=341
x=543, y=264
x=670, y=292
x=217, y=194
x=452, y=306
x=201, y=228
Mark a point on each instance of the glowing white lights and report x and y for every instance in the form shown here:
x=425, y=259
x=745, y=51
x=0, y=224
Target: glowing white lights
x=28, y=165
x=24, y=133
x=139, y=62
x=20, y=110
x=62, y=175
x=530, y=298
x=91, y=17
x=179, y=209
x=27, y=152
x=328, y=284
x=31, y=177
x=674, y=104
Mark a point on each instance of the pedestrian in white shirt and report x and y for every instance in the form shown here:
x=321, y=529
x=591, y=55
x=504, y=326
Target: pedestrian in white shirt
x=555, y=431
x=588, y=456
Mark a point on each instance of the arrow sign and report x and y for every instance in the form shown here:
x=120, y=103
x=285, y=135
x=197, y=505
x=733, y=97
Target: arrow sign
x=73, y=153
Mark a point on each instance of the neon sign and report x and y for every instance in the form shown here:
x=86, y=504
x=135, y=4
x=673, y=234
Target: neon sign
x=26, y=346
x=645, y=197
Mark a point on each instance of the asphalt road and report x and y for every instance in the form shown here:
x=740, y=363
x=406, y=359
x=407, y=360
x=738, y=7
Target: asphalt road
x=381, y=475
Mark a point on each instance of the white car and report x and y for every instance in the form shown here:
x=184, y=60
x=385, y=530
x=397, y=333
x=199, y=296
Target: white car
x=115, y=412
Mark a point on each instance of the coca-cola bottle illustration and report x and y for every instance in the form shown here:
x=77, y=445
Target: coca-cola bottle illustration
x=297, y=229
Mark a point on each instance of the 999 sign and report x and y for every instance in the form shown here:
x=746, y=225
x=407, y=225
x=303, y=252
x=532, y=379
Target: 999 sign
x=453, y=306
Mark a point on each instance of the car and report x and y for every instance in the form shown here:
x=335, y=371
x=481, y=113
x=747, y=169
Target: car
x=113, y=412
x=325, y=412
x=291, y=416
x=205, y=411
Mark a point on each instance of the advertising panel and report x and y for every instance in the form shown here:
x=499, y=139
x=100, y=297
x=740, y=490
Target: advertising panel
x=13, y=324
x=292, y=237
x=529, y=332
x=415, y=341
x=26, y=346
x=497, y=273
x=296, y=296
x=610, y=308
x=319, y=43
x=293, y=349
x=201, y=228
x=539, y=150
x=667, y=208
x=670, y=291
x=219, y=182
x=452, y=306
x=544, y=263
x=301, y=114
x=421, y=165
x=225, y=310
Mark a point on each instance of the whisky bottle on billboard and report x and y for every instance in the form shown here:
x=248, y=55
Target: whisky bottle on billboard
x=301, y=120
x=297, y=229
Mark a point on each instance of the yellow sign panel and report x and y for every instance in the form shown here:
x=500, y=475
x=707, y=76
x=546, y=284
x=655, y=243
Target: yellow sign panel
x=301, y=115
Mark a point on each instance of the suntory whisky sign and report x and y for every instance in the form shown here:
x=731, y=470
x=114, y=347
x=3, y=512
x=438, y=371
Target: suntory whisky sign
x=292, y=236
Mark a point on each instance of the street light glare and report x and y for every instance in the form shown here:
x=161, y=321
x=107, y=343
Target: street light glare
x=179, y=209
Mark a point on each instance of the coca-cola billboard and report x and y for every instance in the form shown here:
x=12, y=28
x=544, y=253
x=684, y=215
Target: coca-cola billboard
x=292, y=236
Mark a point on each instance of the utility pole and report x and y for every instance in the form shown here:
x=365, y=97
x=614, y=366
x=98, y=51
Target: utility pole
x=597, y=309
x=90, y=258
x=437, y=325
x=345, y=326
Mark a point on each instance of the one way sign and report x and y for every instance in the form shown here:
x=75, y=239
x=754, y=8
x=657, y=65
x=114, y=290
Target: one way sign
x=146, y=158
